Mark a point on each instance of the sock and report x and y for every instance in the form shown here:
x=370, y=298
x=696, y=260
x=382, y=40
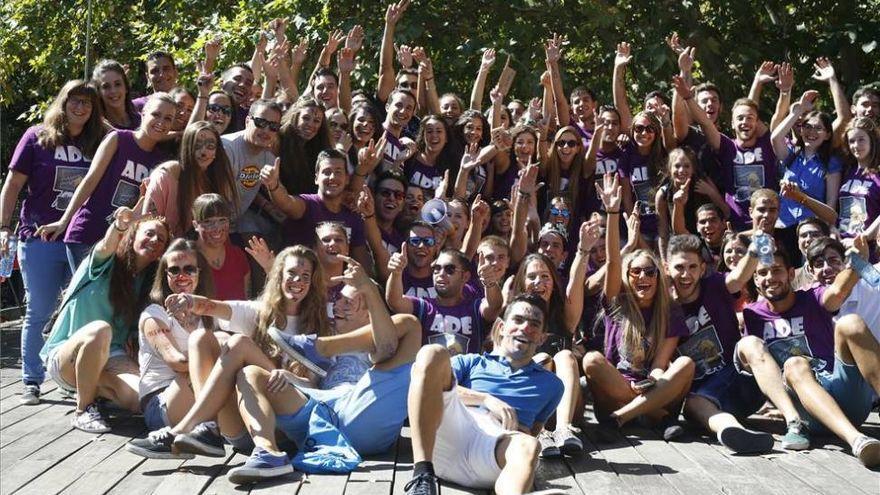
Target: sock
x=243, y=442
x=423, y=467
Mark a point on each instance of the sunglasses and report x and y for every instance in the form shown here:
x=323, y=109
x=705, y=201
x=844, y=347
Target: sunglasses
x=558, y=212
x=418, y=241
x=820, y=262
x=214, y=107
x=338, y=125
x=567, y=143
x=189, y=270
x=639, y=129
x=407, y=85
x=811, y=128
x=637, y=271
x=214, y=224
x=263, y=123
x=391, y=193
x=448, y=269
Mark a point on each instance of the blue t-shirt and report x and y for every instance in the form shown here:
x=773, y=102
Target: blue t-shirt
x=810, y=176
x=532, y=390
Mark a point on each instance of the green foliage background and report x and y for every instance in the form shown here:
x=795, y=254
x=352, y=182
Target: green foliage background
x=42, y=42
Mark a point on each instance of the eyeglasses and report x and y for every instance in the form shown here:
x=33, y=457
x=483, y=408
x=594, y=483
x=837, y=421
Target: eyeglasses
x=338, y=125
x=407, y=85
x=391, y=193
x=637, y=271
x=812, y=128
x=448, y=269
x=567, y=143
x=214, y=107
x=188, y=270
x=820, y=262
x=558, y=212
x=418, y=241
x=639, y=129
x=263, y=123
x=218, y=223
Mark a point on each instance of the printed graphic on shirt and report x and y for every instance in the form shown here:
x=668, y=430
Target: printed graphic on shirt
x=422, y=292
x=853, y=214
x=249, y=177
x=66, y=180
x=476, y=180
x=126, y=194
x=645, y=198
x=425, y=182
x=704, y=347
x=783, y=349
x=453, y=342
x=747, y=179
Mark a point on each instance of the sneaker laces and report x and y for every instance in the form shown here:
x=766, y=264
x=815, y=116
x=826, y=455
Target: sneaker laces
x=94, y=414
x=422, y=484
x=162, y=435
x=795, y=426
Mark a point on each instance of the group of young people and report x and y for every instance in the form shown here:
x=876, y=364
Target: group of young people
x=467, y=269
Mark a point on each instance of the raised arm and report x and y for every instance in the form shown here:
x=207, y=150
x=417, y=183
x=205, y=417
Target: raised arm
x=480, y=82
x=784, y=82
x=595, y=143
x=480, y=214
x=394, y=286
x=366, y=206
x=737, y=279
x=621, y=58
x=574, y=293
x=490, y=279
x=345, y=62
x=681, y=119
x=837, y=293
x=292, y=205
x=553, y=53
x=766, y=73
x=799, y=109
x=427, y=84
x=610, y=195
x=106, y=151
x=686, y=93
x=825, y=72
x=825, y=213
x=386, y=57
x=521, y=195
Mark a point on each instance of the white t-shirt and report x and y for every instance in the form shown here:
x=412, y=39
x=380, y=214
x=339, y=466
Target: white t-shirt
x=245, y=315
x=864, y=301
x=155, y=373
x=245, y=167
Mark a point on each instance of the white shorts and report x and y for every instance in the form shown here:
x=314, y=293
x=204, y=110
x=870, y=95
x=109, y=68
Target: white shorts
x=464, y=449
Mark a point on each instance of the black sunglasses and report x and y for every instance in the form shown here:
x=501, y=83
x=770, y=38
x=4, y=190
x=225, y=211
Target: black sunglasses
x=263, y=123
x=418, y=241
x=216, y=108
x=649, y=271
x=449, y=269
x=174, y=271
x=391, y=193
x=567, y=143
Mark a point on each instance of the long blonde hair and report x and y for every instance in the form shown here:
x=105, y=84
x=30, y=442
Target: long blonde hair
x=625, y=310
x=313, y=309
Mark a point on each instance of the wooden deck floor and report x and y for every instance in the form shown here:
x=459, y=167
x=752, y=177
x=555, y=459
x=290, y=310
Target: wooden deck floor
x=41, y=454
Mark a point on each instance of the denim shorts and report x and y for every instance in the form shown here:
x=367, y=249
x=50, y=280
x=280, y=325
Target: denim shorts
x=732, y=391
x=53, y=369
x=155, y=410
x=850, y=391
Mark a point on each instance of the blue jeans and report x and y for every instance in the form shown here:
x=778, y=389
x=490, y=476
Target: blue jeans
x=76, y=253
x=45, y=271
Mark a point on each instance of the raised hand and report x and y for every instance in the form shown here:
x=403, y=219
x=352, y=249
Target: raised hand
x=366, y=206
x=259, y=250
x=824, y=71
x=333, y=40
x=397, y=262
x=633, y=223
x=212, y=48
x=501, y=138
x=680, y=197
x=609, y=192
x=706, y=187
x=791, y=191
x=370, y=155
x=426, y=69
x=355, y=38
x=354, y=274
x=623, y=55
x=686, y=59
x=470, y=158
x=684, y=90
x=395, y=11
x=766, y=72
x=488, y=59
x=480, y=211
x=345, y=60
x=299, y=52
x=278, y=26
x=404, y=56
x=553, y=48
x=440, y=192
x=270, y=175
x=589, y=234
x=496, y=96
x=204, y=81
x=489, y=274
x=419, y=54
x=528, y=179
x=179, y=305
x=674, y=43
x=785, y=78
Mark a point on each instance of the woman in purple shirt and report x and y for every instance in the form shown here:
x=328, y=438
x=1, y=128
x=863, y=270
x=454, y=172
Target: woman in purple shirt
x=122, y=161
x=860, y=192
x=50, y=160
x=637, y=375
x=112, y=84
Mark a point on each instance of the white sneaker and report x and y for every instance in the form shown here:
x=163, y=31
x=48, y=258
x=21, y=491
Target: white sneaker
x=90, y=420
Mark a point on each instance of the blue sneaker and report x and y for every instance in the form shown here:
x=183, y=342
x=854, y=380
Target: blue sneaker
x=301, y=348
x=261, y=465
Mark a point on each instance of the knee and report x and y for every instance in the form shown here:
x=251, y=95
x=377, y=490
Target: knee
x=251, y=377
x=593, y=361
x=525, y=447
x=794, y=369
x=236, y=343
x=684, y=365
x=431, y=360
x=98, y=333
x=201, y=339
x=565, y=359
x=407, y=324
x=750, y=348
x=850, y=326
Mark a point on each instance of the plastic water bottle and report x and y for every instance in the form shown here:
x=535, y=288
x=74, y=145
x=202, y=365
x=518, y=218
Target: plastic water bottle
x=7, y=261
x=764, y=244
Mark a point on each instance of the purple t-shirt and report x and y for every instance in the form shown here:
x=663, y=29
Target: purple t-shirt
x=393, y=150
x=614, y=336
x=422, y=287
x=503, y=182
x=52, y=177
x=392, y=240
x=745, y=171
x=458, y=328
x=859, y=201
x=302, y=230
x=806, y=329
x=140, y=102
x=422, y=175
x=713, y=327
x=635, y=167
x=119, y=186
x=585, y=134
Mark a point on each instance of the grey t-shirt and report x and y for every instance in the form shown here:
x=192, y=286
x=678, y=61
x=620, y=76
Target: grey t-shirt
x=246, y=167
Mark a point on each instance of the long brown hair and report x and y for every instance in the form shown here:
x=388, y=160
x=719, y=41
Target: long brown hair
x=205, y=287
x=657, y=154
x=552, y=169
x=298, y=157
x=107, y=65
x=54, y=131
x=870, y=128
x=217, y=178
x=127, y=305
x=555, y=317
x=313, y=309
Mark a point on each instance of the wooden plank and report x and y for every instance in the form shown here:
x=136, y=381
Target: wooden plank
x=367, y=487
x=314, y=484
x=38, y=430
x=847, y=467
x=684, y=474
x=404, y=463
x=145, y=477
x=376, y=468
x=555, y=473
x=72, y=467
x=762, y=467
x=814, y=474
x=221, y=484
x=22, y=469
x=633, y=469
x=106, y=474
x=447, y=488
x=13, y=401
x=728, y=477
x=192, y=476
x=21, y=413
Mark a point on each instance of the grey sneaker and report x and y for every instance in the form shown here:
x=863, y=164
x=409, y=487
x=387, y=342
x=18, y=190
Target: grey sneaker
x=203, y=440
x=549, y=449
x=795, y=438
x=743, y=441
x=567, y=441
x=867, y=449
x=31, y=395
x=157, y=445
x=90, y=420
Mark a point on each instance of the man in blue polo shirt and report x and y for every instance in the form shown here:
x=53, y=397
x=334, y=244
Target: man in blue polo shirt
x=474, y=417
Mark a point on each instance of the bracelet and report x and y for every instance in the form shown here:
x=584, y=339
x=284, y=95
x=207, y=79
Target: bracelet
x=273, y=189
x=489, y=285
x=428, y=79
x=200, y=97
x=613, y=212
x=525, y=194
x=118, y=229
x=360, y=175
x=365, y=217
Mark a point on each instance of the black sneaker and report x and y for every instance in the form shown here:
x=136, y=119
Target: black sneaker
x=423, y=484
x=670, y=429
x=31, y=395
x=743, y=441
x=157, y=445
x=203, y=440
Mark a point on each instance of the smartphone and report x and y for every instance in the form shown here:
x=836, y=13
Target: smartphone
x=644, y=384
x=866, y=271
